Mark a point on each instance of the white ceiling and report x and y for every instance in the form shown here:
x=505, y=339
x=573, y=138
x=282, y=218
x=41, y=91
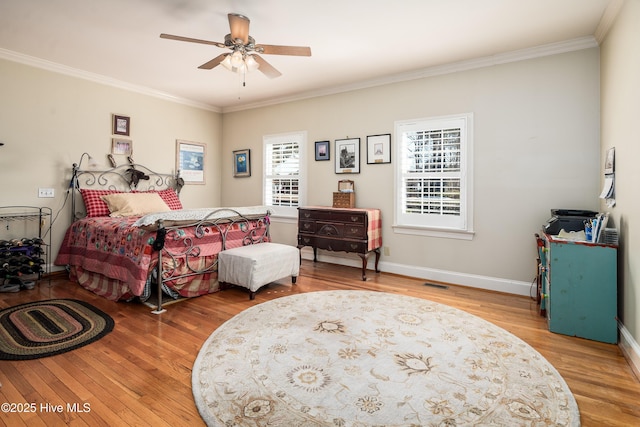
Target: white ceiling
x=354, y=43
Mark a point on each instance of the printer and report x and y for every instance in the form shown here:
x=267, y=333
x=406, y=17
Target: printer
x=567, y=219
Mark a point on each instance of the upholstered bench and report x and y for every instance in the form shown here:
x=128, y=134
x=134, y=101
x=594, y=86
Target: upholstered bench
x=254, y=266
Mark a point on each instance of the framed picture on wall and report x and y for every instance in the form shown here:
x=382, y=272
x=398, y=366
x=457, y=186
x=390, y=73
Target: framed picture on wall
x=322, y=150
x=190, y=161
x=242, y=163
x=121, y=125
x=121, y=146
x=348, y=155
x=378, y=149
x=610, y=161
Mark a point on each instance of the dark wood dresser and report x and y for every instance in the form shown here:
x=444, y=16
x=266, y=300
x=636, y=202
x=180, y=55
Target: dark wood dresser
x=356, y=231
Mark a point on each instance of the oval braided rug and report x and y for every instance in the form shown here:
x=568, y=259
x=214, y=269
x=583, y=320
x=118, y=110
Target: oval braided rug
x=361, y=358
x=44, y=328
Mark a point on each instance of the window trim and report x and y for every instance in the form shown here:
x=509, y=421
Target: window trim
x=286, y=211
x=424, y=227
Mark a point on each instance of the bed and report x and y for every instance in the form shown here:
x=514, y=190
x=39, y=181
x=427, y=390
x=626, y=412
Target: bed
x=132, y=240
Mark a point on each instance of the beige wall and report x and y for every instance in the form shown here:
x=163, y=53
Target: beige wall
x=536, y=148
x=620, y=68
x=47, y=120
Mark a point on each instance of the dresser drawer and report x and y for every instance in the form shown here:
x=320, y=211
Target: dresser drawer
x=338, y=229
x=341, y=245
x=307, y=226
x=354, y=231
x=306, y=240
x=330, y=244
x=306, y=214
x=333, y=216
x=331, y=229
x=350, y=217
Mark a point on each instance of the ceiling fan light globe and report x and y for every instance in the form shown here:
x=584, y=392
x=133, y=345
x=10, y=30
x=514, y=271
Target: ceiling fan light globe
x=226, y=62
x=236, y=59
x=251, y=63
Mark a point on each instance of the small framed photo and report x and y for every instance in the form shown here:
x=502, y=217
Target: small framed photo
x=379, y=149
x=348, y=155
x=121, y=125
x=322, y=150
x=242, y=163
x=121, y=146
x=610, y=161
x=190, y=161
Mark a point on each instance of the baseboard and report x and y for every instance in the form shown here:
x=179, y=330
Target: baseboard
x=630, y=349
x=471, y=280
x=54, y=269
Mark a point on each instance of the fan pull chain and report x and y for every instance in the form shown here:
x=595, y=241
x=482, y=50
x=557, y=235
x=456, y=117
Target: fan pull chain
x=242, y=75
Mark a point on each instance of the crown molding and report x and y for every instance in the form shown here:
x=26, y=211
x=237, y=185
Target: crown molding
x=503, y=58
x=608, y=17
x=487, y=61
x=98, y=78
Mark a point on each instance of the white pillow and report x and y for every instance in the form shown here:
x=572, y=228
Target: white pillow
x=129, y=204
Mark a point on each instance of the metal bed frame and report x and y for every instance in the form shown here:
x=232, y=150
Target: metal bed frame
x=130, y=177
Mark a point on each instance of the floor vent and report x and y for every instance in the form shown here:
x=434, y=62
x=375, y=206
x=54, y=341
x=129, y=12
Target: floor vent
x=436, y=285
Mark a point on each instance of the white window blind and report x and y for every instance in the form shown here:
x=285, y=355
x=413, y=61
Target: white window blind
x=432, y=173
x=283, y=177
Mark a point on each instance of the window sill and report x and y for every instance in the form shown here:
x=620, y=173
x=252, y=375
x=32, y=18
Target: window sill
x=433, y=232
x=284, y=219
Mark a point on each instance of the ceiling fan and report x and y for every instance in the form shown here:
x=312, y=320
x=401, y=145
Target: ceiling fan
x=244, y=50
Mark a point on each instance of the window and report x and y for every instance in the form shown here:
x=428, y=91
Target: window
x=283, y=181
x=434, y=176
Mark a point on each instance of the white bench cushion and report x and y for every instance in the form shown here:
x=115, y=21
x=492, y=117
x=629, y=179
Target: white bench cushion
x=254, y=266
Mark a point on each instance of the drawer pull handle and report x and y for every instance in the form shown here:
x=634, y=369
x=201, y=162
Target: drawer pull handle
x=307, y=214
x=354, y=246
x=354, y=219
x=355, y=230
x=306, y=240
x=307, y=226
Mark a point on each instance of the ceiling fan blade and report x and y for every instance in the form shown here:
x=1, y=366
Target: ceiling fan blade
x=284, y=50
x=189, y=39
x=239, y=25
x=266, y=68
x=214, y=62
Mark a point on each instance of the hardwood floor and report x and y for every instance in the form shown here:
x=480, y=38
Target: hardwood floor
x=140, y=374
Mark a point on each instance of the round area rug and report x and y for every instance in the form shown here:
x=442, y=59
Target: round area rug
x=44, y=328
x=361, y=358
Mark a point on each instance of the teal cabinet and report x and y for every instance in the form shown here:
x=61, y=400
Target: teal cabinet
x=581, y=289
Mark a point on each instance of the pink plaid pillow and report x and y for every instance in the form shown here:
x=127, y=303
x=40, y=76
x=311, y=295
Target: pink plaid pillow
x=170, y=197
x=94, y=205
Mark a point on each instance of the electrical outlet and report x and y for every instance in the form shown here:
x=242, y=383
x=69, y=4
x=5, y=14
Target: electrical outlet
x=386, y=251
x=46, y=192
